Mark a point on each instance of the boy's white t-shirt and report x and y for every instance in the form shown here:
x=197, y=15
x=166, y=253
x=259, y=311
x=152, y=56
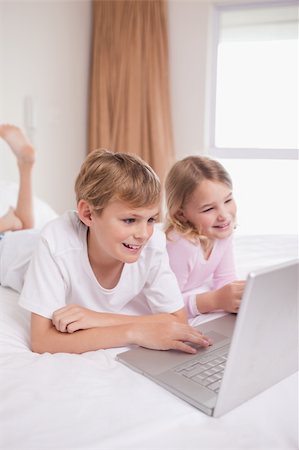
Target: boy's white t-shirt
x=60, y=273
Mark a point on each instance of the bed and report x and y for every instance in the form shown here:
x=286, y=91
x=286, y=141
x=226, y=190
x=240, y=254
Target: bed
x=91, y=401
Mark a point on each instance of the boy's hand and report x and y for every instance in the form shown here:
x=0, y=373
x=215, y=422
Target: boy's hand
x=164, y=335
x=71, y=318
x=168, y=335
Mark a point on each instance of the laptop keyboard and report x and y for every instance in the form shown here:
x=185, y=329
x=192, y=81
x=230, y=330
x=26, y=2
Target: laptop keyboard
x=207, y=371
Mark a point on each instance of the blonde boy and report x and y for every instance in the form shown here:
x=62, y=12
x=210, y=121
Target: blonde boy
x=99, y=276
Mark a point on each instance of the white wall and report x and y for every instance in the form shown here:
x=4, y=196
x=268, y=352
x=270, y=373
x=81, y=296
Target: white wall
x=44, y=57
x=188, y=54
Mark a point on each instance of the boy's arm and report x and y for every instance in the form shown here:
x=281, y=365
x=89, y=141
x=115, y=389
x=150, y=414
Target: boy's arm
x=163, y=335
x=74, y=317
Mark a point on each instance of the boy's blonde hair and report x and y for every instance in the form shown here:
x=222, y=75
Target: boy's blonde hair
x=181, y=181
x=106, y=176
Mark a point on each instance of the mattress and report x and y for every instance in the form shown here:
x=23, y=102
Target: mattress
x=91, y=401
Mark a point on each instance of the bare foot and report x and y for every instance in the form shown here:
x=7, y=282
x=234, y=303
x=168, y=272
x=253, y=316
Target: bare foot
x=18, y=143
x=10, y=221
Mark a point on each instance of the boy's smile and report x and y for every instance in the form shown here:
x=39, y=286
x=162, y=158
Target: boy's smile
x=133, y=248
x=120, y=232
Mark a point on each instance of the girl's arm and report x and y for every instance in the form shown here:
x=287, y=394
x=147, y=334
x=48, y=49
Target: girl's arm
x=182, y=259
x=227, y=298
x=227, y=292
x=156, y=335
x=225, y=271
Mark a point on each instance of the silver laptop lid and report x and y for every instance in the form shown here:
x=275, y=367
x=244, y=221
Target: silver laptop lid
x=264, y=347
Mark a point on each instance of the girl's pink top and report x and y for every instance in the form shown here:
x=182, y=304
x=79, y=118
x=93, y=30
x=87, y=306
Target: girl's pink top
x=194, y=273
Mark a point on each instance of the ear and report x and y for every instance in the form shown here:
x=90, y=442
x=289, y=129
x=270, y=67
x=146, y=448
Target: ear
x=84, y=212
x=180, y=216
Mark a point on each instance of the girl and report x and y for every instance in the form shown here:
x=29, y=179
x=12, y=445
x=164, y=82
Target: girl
x=99, y=277
x=199, y=227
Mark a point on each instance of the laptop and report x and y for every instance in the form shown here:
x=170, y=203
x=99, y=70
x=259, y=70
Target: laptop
x=252, y=350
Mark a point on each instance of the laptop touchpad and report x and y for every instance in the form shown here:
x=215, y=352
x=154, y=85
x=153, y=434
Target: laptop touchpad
x=219, y=340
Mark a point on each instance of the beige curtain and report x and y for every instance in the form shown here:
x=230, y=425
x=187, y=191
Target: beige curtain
x=129, y=91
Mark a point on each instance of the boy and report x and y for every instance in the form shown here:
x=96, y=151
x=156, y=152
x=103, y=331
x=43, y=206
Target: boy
x=93, y=271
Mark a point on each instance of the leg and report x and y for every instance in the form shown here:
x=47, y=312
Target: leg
x=10, y=222
x=24, y=153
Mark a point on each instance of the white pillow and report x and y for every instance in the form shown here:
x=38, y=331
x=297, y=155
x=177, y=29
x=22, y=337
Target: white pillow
x=43, y=213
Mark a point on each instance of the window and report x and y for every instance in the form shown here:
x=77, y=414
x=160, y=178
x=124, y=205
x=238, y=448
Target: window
x=254, y=118
x=255, y=113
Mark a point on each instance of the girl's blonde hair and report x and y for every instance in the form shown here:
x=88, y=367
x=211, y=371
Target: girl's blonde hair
x=181, y=181
x=106, y=176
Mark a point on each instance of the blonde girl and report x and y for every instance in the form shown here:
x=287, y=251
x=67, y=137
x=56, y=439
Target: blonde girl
x=201, y=217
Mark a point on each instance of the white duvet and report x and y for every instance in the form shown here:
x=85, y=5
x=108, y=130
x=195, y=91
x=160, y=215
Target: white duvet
x=91, y=401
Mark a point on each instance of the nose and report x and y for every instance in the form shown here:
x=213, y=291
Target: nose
x=142, y=231
x=222, y=215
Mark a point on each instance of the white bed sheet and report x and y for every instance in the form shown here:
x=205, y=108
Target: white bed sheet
x=91, y=401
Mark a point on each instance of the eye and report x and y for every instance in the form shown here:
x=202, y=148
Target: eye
x=207, y=210
x=128, y=221
x=152, y=220
x=228, y=200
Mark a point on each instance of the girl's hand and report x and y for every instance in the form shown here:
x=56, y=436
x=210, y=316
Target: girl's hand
x=71, y=318
x=168, y=335
x=229, y=296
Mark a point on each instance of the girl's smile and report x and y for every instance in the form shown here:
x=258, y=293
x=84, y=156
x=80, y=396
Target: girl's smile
x=223, y=227
x=211, y=209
